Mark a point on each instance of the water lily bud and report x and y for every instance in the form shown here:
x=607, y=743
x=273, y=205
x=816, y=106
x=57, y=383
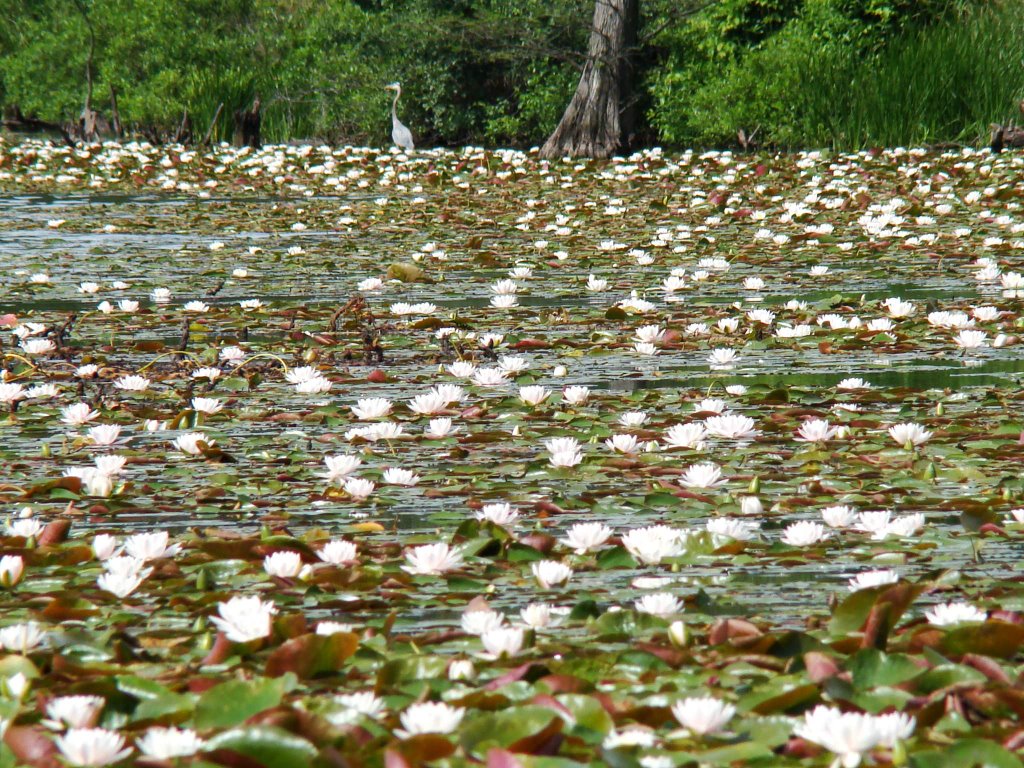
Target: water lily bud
x=755, y=485
x=899, y=753
x=45, y=451
x=204, y=582
x=11, y=568
x=929, y=471
x=204, y=641
x=1007, y=493
x=560, y=370
x=15, y=686
x=751, y=505
x=461, y=669
x=939, y=409
x=678, y=635
x=310, y=356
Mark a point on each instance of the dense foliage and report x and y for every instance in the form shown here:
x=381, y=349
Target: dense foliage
x=800, y=72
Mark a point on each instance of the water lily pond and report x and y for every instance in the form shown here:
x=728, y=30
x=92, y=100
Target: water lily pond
x=345, y=457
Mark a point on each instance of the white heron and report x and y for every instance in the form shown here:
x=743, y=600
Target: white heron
x=401, y=135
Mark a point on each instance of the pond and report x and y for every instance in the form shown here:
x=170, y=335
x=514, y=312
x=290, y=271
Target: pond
x=764, y=375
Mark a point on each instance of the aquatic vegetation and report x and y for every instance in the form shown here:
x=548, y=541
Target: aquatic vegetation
x=733, y=480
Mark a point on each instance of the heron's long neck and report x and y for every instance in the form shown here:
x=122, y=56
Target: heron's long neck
x=394, y=106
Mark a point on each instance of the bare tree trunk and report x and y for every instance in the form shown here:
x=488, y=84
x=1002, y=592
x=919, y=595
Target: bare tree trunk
x=596, y=122
x=87, y=123
x=115, y=115
x=247, y=126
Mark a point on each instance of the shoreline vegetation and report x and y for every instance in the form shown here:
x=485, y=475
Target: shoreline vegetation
x=840, y=74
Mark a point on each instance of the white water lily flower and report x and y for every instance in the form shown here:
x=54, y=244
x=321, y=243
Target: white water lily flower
x=207, y=373
x=732, y=528
x=364, y=703
x=429, y=717
x=633, y=418
x=74, y=711
x=839, y=516
x=654, y=543
x=909, y=433
x=703, y=715
x=489, y=377
x=969, y=339
x=11, y=392
x=327, y=628
x=722, y=357
x=804, y=534
x=432, y=559
x=853, y=383
x=661, y=604
x=542, y=615
x=706, y=475
x=338, y=552
x=623, y=443
x=632, y=736
x=651, y=334
x=869, y=579
x=92, y=747
x=576, y=395
x=950, y=614
x=103, y=434
x=586, y=537
x=430, y=403
x=25, y=527
x=440, y=427
x=906, y=525
x=689, y=436
x=849, y=735
x=369, y=408
x=534, y=395
x=876, y=523
x=22, y=638
x=123, y=575
x=37, y=346
x=315, y=386
x=462, y=369
x=499, y=513
x=816, y=431
x=243, y=619
x=78, y=414
x=103, y=546
x=502, y=642
x=132, y=383
x=550, y=573
x=399, y=476
x=189, y=443
x=285, y=564
x=340, y=466
x=301, y=374
x=359, y=488
x=207, y=405
x=565, y=451
x=169, y=743
x=897, y=307
x=731, y=426
x=477, y=622
x=151, y=546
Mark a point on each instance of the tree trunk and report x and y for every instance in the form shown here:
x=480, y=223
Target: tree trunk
x=247, y=126
x=597, y=121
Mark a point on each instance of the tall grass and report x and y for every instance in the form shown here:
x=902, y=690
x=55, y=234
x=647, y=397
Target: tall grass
x=944, y=83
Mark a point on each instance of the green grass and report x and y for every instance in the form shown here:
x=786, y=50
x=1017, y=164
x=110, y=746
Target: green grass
x=944, y=83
